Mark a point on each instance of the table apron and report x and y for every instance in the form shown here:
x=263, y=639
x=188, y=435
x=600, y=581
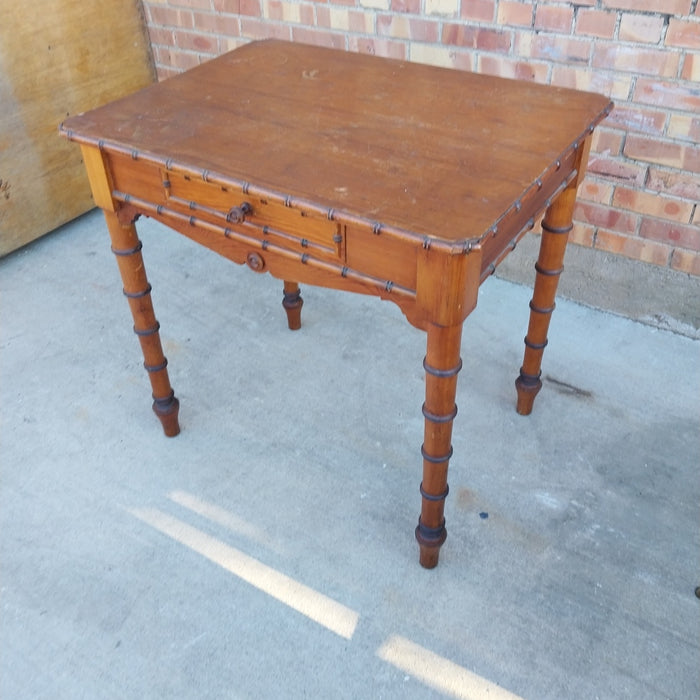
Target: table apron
x=243, y=244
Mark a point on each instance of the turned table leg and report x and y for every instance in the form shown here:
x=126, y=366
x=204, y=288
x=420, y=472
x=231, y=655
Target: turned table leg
x=292, y=303
x=442, y=364
x=556, y=224
x=127, y=248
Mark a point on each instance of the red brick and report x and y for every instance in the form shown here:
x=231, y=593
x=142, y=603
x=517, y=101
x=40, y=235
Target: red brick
x=685, y=260
x=644, y=29
x=275, y=12
x=554, y=19
x=683, y=235
x=596, y=23
x=254, y=28
x=653, y=204
x=691, y=159
x=357, y=21
x=618, y=170
x=654, y=151
x=632, y=117
x=494, y=40
x=667, y=94
x=562, y=49
x=632, y=247
x=339, y=19
x=192, y=4
x=228, y=25
x=323, y=16
x=475, y=37
x=478, y=10
x=193, y=41
x=505, y=67
x=161, y=55
x=685, y=127
x=410, y=6
x=673, y=155
x=161, y=37
x=606, y=217
x=378, y=47
x=306, y=13
x=305, y=35
x=424, y=30
x=679, y=184
x=588, y=80
x=691, y=67
x=595, y=191
x=229, y=6
x=169, y=17
x=581, y=234
x=683, y=33
x=445, y=56
x=250, y=8
x=608, y=141
x=459, y=35
x=675, y=7
x=514, y=13
x=402, y=27
x=184, y=60
x=635, y=60
x=206, y=22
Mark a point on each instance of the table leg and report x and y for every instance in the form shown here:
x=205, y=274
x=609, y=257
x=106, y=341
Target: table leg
x=442, y=364
x=292, y=303
x=127, y=248
x=556, y=224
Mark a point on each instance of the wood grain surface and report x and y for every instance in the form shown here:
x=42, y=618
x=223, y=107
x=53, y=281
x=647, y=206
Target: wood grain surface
x=58, y=58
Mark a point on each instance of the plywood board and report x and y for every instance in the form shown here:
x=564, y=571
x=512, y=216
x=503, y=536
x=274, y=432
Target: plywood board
x=58, y=57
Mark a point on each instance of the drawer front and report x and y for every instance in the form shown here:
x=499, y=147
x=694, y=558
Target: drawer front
x=291, y=227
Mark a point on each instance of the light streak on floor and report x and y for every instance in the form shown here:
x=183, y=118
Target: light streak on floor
x=222, y=517
x=314, y=605
x=426, y=666
x=440, y=673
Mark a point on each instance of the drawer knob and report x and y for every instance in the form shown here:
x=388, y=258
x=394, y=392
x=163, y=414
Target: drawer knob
x=237, y=214
x=255, y=262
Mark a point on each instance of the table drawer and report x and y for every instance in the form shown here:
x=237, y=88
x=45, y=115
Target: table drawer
x=287, y=224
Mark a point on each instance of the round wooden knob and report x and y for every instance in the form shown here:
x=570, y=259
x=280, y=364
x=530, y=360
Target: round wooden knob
x=255, y=262
x=237, y=215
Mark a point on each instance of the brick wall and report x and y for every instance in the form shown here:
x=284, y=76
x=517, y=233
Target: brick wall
x=641, y=196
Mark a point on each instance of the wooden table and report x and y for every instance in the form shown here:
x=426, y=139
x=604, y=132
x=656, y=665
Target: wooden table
x=348, y=171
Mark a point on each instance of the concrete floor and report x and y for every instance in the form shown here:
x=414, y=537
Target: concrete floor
x=268, y=551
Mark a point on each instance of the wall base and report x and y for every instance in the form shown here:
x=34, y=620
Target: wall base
x=656, y=296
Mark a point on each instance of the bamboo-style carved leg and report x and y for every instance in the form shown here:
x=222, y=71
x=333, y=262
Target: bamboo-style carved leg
x=127, y=248
x=292, y=303
x=442, y=364
x=556, y=225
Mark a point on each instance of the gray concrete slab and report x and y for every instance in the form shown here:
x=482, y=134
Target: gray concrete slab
x=267, y=551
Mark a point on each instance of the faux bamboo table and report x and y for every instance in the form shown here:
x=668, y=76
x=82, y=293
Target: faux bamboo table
x=403, y=181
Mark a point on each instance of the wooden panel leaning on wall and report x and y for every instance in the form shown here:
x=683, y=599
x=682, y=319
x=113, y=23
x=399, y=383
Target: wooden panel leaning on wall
x=58, y=58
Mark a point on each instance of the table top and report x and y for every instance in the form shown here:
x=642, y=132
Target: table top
x=431, y=151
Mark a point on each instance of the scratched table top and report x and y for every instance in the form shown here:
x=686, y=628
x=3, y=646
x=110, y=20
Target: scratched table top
x=428, y=150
